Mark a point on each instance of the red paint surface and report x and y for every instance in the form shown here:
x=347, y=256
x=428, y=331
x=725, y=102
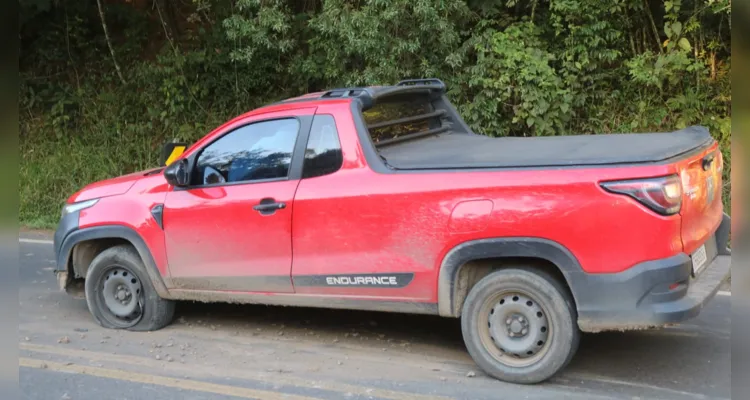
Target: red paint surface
x=215, y=232
x=359, y=221
x=699, y=217
x=133, y=211
x=470, y=216
x=107, y=187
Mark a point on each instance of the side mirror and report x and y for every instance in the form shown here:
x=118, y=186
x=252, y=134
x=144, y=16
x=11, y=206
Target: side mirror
x=177, y=173
x=171, y=152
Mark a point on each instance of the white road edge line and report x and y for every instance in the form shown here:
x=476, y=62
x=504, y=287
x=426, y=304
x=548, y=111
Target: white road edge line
x=39, y=241
x=724, y=293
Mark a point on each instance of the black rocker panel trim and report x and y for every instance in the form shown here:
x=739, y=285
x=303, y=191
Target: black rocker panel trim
x=255, y=283
x=300, y=300
x=394, y=280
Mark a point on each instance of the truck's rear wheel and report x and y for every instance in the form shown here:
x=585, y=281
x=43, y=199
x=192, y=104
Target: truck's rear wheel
x=519, y=325
x=120, y=294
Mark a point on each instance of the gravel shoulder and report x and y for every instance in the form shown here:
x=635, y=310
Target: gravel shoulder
x=236, y=351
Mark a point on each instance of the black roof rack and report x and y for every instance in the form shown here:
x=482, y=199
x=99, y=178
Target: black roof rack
x=344, y=92
x=420, y=117
x=368, y=95
x=426, y=81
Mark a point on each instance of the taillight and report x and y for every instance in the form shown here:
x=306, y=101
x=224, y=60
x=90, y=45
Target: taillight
x=662, y=195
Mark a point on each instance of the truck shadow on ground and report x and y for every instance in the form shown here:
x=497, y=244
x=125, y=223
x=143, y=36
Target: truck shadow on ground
x=627, y=358
x=422, y=329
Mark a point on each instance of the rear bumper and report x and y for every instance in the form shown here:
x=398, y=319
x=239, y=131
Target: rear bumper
x=654, y=293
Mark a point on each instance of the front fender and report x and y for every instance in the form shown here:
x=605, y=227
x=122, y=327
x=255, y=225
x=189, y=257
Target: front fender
x=70, y=239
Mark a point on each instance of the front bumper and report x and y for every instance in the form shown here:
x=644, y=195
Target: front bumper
x=654, y=293
x=67, y=225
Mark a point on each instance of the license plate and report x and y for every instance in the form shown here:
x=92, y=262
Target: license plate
x=699, y=260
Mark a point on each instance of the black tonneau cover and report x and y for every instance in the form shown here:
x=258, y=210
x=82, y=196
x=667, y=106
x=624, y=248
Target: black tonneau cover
x=467, y=150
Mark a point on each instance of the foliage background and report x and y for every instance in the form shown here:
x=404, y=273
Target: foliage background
x=514, y=68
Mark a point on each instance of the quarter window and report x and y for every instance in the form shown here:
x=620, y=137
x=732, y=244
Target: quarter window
x=323, y=154
x=258, y=151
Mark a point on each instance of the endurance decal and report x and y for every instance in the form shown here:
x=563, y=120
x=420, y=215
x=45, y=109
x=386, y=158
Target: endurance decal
x=396, y=280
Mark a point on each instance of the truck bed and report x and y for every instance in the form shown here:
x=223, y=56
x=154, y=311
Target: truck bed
x=452, y=150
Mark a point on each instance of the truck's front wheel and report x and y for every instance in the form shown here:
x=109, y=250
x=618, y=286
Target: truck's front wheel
x=120, y=294
x=519, y=325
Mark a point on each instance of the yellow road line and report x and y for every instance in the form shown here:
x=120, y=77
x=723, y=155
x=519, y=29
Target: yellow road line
x=91, y=355
x=275, y=379
x=136, y=377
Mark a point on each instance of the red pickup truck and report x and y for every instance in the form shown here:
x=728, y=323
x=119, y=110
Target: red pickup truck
x=382, y=198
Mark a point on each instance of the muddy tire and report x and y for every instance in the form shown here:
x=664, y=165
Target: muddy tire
x=120, y=294
x=519, y=325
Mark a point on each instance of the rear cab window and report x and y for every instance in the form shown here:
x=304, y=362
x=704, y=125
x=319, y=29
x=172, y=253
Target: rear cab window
x=323, y=153
x=394, y=117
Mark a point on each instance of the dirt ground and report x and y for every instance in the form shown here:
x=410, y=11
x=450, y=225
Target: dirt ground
x=217, y=351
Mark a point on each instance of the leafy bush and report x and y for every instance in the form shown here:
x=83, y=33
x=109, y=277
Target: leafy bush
x=512, y=67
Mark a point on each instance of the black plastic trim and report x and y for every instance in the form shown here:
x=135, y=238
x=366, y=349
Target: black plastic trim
x=650, y=293
x=501, y=247
x=380, y=280
x=302, y=300
x=655, y=307
x=157, y=211
x=412, y=136
x=113, y=232
x=68, y=223
x=419, y=117
x=422, y=81
x=298, y=156
x=722, y=236
x=257, y=283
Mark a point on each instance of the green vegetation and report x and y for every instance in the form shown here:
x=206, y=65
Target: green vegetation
x=519, y=68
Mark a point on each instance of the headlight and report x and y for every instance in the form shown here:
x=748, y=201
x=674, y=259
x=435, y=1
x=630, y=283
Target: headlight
x=71, y=208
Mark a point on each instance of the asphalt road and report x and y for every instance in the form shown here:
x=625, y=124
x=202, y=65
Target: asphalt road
x=258, y=352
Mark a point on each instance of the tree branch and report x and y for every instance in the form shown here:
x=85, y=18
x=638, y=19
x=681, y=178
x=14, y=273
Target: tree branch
x=647, y=8
x=109, y=42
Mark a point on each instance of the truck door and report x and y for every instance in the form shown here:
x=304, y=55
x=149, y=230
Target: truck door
x=231, y=229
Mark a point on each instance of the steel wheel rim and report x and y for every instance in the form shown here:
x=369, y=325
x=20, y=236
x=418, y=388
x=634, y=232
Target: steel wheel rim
x=514, y=328
x=121, y=294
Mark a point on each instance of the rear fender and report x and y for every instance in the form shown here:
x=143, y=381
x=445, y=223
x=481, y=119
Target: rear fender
x=515, y=247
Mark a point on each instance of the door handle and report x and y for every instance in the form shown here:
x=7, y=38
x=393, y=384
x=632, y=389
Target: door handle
x=269, y=206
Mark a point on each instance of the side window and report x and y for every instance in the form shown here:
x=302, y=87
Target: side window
x=258, y=151
x=323, y=154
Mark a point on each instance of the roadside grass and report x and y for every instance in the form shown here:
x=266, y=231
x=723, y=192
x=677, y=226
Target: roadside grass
x=53, y=169
x=42, y=223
